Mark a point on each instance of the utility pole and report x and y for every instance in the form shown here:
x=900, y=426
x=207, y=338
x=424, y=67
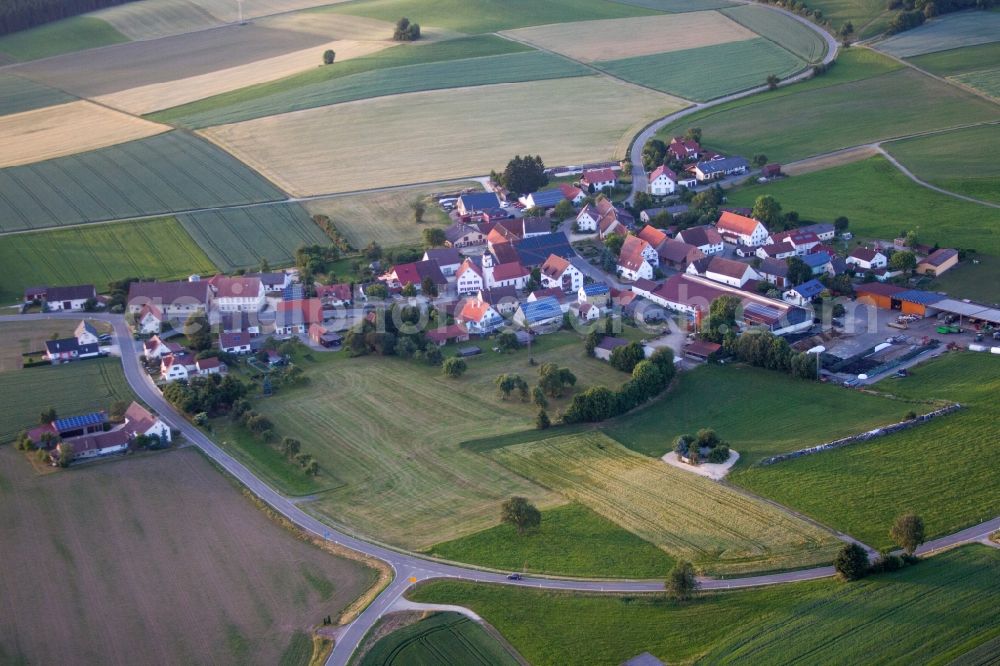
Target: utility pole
x=239, y=5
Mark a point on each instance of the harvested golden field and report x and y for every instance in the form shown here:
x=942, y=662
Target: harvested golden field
x=344, y=26
x=720, y=530
x=447, y=134
x=614, y=39
x=159, y=96
x=67, y=129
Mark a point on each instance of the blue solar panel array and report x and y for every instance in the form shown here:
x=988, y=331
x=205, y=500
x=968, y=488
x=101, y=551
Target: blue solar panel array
x=81, y=421
x=542, y=309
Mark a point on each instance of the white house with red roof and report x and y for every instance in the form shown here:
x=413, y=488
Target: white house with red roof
x=149, y=320
x=295, y=317
x=588, y=218
x=741, y=229
x=598, y=179
x=141, y=421
x=238, y=294
x=801, y=241
x=776, y=251
x=174, y=367
x=414, y=273
x=684, y=149
x=478, y=316
x=509, y=274
x=572, y=193
x=155, y=347
x=469, y=277
x=662, y=181
x=235, y=343
x=703, y=237
x=335, y=295
x=637, y=259
x=725, y=271
x=561, y=273
x=208, y=366
x=867, y=259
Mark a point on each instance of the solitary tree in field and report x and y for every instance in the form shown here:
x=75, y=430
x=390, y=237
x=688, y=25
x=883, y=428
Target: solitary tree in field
x=908, y=532
x=681, y=583
x=846, y=29
x=520, y=513
x=433, y=237
x=772, y=81
x=406, y=31
x=419, y=208
x=851, y=562
x=312, y=468
x=453, y=367
x=329, y=56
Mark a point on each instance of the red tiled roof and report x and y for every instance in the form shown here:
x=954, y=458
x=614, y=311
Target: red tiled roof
x=509, y=271
x=235, y=287
x=299, y=312
x=599, y=176
x=727, y=267
x=663, y=170
x=340, y=292
x=569, y=191
x=676, y=251
x=230, y=340
x=652, y=235
x=450, y=332
x=470, y=265
x=473, y=310
x=736, y=224
x=863, y=253
x=631, y=257
x=554, y=266
x=698, y=236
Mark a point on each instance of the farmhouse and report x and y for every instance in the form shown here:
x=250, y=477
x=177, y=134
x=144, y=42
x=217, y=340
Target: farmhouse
x=588, y=218
x=477, y=202
x=235, y=343
x=607, y=345
x=295, y=317
x=596, y=180
x=543, y=198
x=237, y=294
x=69, y=349
x=448, y=334
x=155, y=348
x=61, y=298
x=560, y=273
x=637, y=259
x=478, y=316
x=175, y=300
x=613, y=220
x=86, y=334
x=938, y=262
x=820, y=263
x=461, y=235
x=721, y=168
x=414, y=273
x=149, y=319
x=139, y=421
x=825, y=232
x=655, y=237
x=448, y=259
x=803, y=294
x=94, y=446
x=727, y=271
x=542, y=315
x=741, y=230
x=704, y=237
x=773, y=271
x=335, y=295
x=274, y=283
x=867, y=258
x=208, y=366
x=585, y=311
x=801, y=241
x=684, y=149
x=573, y=194
x=662, y=181
x=469, y=276
x=175, y=367
x=509, y=274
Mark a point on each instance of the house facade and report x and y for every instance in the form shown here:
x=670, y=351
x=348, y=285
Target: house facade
x=469, y=277
x=478, y=316
x=704, y=237
x=598, y=179
x=561, y=273
x=744, y=230
x=637, y=259
x=867, y=259
x=662, y=181
x=238, y=294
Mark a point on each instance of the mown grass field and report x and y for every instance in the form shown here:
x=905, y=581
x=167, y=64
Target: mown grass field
x=285, y=94
x=165, y=173
x=384, y=217
x=98, y=254
x=690, y=517
x=929, y=613
x=555, y=548
x=987, y=81
x=944, y=33
x=65, y=36
x=242, y=237
x=784, y=415
x=829, y=115
x=444, y=639
x=781, y=29
x=974, y=281
x=868, y=16
x=386, y=433
x=318, y=151
x=880, y=202
x=480, y=16
x=962, y=161
x=960, y=60
x=67, y=129
x=18, y=95
x=860, y=489
x=708, y=72
x=18, y=338
x=616, y=39
x=678, y=6
x=73, y=388
x=160, y=558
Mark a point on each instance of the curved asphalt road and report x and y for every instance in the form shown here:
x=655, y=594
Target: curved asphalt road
x=408, y=568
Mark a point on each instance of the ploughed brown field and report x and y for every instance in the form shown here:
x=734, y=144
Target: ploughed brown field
x=155, y=559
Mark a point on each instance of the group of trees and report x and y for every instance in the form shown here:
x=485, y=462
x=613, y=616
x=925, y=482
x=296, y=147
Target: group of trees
x=313, y=259
x=522, y=175
x=907, y=532
x=211, y=394
x=626, y=357
x=406, y=31
x=649, y=378
x=654, y=152
x=396, y=331
x=705, y=442
x=508, y=383
x=764, y=349
x=327, y=226
x=22, y=14
x=261, y=427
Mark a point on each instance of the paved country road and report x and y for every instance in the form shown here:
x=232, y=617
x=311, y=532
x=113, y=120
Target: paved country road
x=408, y=568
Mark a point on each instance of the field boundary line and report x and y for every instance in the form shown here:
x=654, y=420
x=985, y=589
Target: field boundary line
x=909, y=174
x=941, y=79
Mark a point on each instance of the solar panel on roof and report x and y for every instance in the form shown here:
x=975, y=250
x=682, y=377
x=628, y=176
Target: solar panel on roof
x=760, y=312
x=81, y=421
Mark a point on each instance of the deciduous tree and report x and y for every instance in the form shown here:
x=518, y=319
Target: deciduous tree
x=329, y=56
x=681, y=583
x=908, y=532
x=520, y=513
x=851, y=562
x=433, y=237
x=454, y=367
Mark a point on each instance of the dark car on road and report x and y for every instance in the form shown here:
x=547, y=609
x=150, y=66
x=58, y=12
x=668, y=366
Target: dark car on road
x=514, y=576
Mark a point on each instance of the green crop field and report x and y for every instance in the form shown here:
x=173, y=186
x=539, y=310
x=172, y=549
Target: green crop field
x=282, y=93
x=443, y=639
x=506, y=68
x=98, y=254
x=65, y=36
x=73, y=388
x=162, y=174
x=17, y=95
x=358, y=418
x=963, y=161
x=986, y=80
x=860, y=489
x=930, y=613
x=880, y=201
x=959, y=61
x=571, y=541
x=707, y=72
x=20, y=337
x=797, y=413
x=242, y=237
x=782, y=29
x=868, y=16
x=385, y=218
x=676, y=6
x=479, y=16
x=944, y=33
x=720, y=530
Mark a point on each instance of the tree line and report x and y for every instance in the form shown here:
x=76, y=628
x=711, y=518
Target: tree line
x=23, y=14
